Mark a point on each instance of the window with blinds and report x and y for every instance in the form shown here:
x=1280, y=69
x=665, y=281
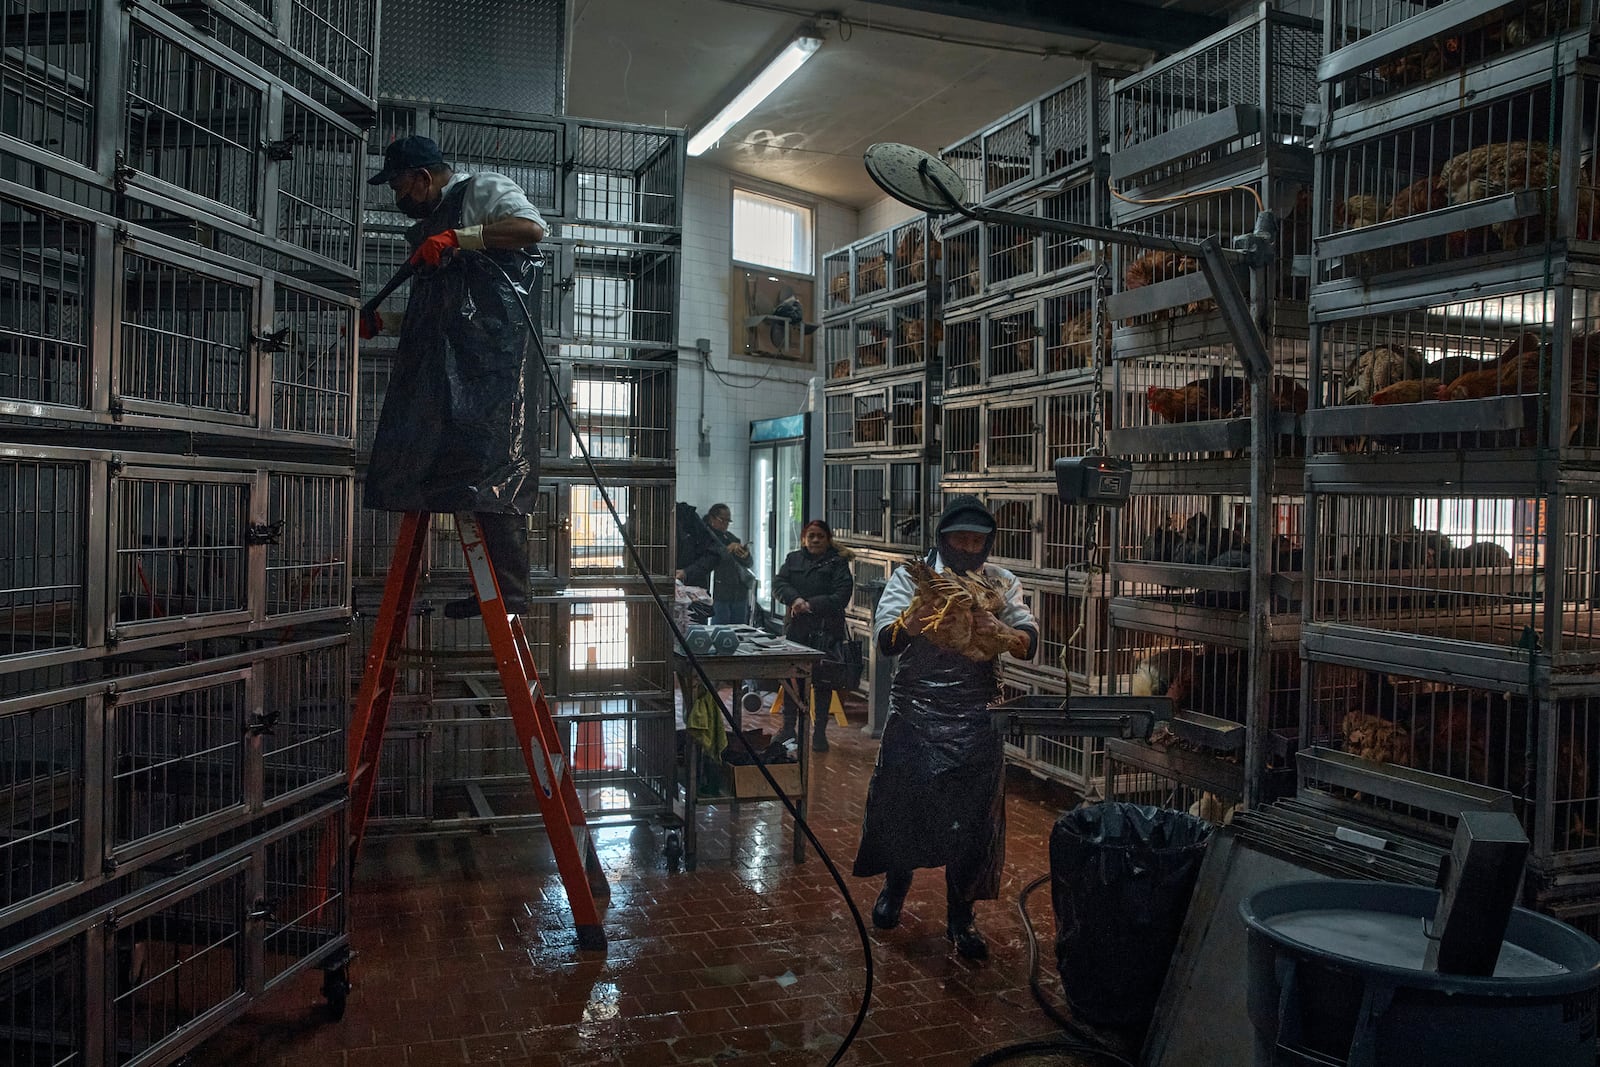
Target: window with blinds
x=768, y=232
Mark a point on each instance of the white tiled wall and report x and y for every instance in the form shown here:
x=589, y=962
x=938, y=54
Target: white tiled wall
x=740, y=389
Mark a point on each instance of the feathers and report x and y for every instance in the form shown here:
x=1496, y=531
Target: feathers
x=908, y=255
x=1492, y=169
x=1378, y=368
x=948, y=600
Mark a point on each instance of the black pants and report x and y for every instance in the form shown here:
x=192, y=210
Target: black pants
x=505, y=537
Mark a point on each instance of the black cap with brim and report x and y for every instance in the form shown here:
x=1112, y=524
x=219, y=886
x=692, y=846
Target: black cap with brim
x=967, y=527
x=408, y=153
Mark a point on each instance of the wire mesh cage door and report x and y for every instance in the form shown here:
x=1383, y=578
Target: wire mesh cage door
x=180, y=550
x=43, y=833
x=185, y=343
x=174, y=961
x=45, y=562
x=47, y=292
x=192, y=127
x=50, y=78
x=175, y=763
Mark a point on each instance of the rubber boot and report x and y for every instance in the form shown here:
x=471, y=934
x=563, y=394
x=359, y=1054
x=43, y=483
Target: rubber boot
x=819, y=725
x=505, y=539
x=886, y=912
x=963, y=931
x=791, y=722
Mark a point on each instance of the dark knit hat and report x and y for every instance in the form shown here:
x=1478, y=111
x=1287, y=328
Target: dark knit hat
x=965, y=512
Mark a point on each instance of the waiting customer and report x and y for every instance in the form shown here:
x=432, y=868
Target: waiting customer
x=815, y=582
x=724, y=568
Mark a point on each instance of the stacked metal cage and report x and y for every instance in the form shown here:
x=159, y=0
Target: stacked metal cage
x=1207, y=140
x=180, y=196
x=881, y=346
x=612, y=195
x=1026, y=348
x=1452, y=445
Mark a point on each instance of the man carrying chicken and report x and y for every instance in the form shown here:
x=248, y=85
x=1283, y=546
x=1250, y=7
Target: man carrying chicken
x=935, y=799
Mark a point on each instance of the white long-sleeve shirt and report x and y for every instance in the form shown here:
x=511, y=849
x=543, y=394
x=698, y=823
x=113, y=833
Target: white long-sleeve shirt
x=493, y=197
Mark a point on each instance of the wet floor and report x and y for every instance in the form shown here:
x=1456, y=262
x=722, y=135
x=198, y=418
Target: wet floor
x=466, y=952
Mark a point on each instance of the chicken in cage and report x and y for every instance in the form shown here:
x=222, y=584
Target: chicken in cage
x=1222, y=396
x=912, y=252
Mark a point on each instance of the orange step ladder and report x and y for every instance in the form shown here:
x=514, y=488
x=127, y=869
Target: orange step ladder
x=537, y=735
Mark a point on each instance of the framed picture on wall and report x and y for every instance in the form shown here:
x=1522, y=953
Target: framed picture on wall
x=770, y=312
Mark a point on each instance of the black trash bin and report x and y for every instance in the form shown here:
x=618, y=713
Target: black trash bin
x=1120, y=879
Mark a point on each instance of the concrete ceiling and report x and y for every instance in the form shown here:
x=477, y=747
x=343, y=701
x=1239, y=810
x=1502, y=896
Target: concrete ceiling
x=885, y=72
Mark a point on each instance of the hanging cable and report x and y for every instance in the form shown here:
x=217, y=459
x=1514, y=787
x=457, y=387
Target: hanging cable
x=1179, y=197
x=1079, y=1041
x=694, y=662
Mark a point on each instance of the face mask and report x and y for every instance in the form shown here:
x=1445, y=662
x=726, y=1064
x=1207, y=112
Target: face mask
x=412, y=207
x=959, y=561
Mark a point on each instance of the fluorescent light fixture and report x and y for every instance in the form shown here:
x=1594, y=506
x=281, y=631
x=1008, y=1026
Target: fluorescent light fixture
x=791, y=59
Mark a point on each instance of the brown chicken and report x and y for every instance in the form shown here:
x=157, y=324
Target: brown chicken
x=1357, y=211
x=1492, y=169
x=1375, y=738
x=839, y=289
x=1286, y=394
x=949, y=601
x=872, y=346
x=1150, y=268
x=1204, y=398
x=1472, y=385
x=912, y=333
x=1422, y=63
x=908, y=254
x=1410, y=391
x=841, y=369
x=872, y=273
x=1424, y=194
x=1378, y=368
x=1074, y=337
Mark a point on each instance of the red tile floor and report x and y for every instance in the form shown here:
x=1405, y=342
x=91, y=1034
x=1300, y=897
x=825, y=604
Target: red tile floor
x=466, y=952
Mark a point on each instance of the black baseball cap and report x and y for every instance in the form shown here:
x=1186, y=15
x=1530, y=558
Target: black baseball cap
x=408, y=153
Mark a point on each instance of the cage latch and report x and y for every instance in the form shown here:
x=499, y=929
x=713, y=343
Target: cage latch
x=265, y=909
x=260, y=723
x=264, y=533
x=273, y=341
x=281, y=151
x=121, y=173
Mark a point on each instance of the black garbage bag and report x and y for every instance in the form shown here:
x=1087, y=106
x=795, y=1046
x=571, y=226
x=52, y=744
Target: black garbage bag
x=936, y=799
x=1120, y=879
x=460, y=421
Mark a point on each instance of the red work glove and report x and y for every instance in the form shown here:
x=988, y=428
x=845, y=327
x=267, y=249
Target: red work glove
x=434, y=248
x=371, y=325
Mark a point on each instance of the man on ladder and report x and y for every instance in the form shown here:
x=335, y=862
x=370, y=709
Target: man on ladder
x=459, y=433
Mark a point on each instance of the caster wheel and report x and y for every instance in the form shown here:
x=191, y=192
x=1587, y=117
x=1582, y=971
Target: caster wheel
x=336, y=990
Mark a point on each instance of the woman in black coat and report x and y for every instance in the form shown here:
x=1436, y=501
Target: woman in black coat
x=815, y=582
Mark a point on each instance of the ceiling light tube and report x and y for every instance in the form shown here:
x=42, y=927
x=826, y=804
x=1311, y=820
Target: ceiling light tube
x=773, y=75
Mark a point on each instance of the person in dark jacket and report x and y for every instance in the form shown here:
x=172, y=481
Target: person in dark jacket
x=724, y=568
x=815, y=582
x=936, y=799
x=459, y=426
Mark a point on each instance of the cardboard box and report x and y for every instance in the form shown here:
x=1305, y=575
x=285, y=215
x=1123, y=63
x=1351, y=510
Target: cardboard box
x=748, y=784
